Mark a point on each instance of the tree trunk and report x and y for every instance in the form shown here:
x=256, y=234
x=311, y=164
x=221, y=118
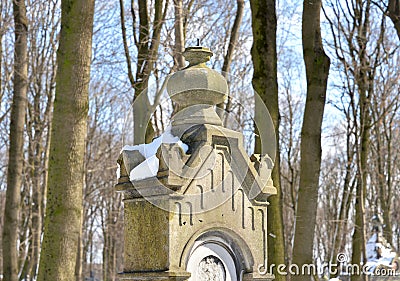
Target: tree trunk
x=364, y=90
x=16, y=153
x=394, y=14
x=179, y=61
x=66, y=164
x=147, y=56
x=147, y=53
x=79, y=260
x=265, y=83
x=1, y=57
x=226, y=67
x=342, y=218
x=383, y=184
x=36, y=163
x=317, y=69
x=358, y=243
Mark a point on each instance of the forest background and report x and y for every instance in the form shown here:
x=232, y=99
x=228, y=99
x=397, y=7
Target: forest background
x=338, y=134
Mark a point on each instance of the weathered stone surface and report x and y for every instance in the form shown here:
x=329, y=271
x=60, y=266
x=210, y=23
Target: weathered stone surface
x=193, y=116
x=164, y=275
x=131, y=159
x=146, y=237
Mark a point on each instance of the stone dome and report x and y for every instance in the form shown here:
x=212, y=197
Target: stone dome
x=197, y=84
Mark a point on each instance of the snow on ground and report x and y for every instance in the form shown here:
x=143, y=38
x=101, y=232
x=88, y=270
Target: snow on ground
x=378, y=253
x=149, y=167
x=371, y=247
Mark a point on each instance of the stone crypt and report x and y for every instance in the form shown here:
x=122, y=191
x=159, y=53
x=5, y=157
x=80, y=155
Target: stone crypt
x=202, y=214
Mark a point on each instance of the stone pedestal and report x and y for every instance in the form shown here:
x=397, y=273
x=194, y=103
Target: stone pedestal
x=204, y=216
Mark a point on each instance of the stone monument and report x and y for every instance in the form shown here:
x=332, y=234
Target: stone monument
x=202, y=214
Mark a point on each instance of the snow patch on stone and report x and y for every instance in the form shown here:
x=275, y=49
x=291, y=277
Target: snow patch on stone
x=118, y=171
x=149, y=167
x=146, y=169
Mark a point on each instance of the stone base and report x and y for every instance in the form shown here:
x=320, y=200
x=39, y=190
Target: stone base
x=251, y=277
x=153, y=276
x=179, y=276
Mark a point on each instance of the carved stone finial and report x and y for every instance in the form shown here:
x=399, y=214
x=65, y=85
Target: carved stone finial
x=196, y=89
x=197, y=55
x=197, y=84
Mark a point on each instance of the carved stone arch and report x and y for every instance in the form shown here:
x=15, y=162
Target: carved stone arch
x=212, y=260
x=223, y=237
